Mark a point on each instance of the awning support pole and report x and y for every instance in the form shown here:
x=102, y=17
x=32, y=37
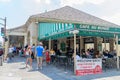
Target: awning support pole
x=117, y=52
x=49, y=44
x=75, y=53
x=105, y=43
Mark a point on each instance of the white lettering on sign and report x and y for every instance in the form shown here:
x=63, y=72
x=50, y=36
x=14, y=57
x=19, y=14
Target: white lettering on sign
x=93, y=27
x=103, y=28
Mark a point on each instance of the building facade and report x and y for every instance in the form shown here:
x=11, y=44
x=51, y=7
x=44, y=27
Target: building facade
x=56, y=24
x=54, y=29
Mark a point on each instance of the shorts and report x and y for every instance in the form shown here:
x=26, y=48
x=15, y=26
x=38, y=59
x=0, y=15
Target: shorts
x=39, y=59
x=28, y=56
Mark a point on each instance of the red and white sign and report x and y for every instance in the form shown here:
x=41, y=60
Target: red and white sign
x=88, y=66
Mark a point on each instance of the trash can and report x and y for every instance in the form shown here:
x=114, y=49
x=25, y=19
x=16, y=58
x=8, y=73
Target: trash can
x=1, y=60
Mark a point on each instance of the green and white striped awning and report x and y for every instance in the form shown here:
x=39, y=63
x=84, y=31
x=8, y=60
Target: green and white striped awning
x=61, y=30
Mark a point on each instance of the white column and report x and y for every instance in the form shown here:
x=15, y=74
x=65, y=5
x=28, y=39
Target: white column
x=105, y=43
x=81, y=43
x=49, y=44
x=117, y=51
x=74, y=53
x=25, y=40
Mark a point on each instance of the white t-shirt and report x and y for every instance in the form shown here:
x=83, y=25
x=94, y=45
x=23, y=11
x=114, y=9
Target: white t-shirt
x=78, y=57
x=10, y=50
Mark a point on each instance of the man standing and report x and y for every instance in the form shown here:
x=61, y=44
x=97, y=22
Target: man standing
x=39, y=54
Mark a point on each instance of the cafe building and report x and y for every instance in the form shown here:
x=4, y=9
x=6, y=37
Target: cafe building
x=55, y=27
x=70, y=27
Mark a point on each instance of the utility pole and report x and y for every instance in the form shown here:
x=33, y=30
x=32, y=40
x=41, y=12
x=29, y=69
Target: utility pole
x=4, y=36
x=4, y=24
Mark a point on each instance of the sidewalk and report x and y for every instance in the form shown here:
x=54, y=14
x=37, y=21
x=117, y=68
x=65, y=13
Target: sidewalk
x=15, y=71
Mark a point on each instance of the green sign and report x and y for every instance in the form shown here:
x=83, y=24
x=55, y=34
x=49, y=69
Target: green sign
x=90, y=27
x=97, y=28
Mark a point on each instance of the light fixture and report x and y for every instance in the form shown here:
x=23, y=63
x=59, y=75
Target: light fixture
x=74, y=32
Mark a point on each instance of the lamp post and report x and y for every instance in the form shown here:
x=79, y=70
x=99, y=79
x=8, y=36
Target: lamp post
x=74, y=55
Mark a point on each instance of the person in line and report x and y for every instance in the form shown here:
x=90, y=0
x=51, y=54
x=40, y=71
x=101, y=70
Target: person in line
x=25, y=50
x=83, y=54
x=10, y=53
x=78, y=56
x=39, y=54
x=14, y=50
x=47, y=54
x=29, y=59
x=52, y=54
x=58, y=52
x=33, y=51
x=21, y=52
x=96, y=54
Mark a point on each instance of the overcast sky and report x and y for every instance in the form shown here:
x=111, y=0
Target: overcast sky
x=18, y=11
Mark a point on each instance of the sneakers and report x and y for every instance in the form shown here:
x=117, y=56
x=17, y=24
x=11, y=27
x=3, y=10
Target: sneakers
x=39, y=68
x=26, y=67
x=31, y=68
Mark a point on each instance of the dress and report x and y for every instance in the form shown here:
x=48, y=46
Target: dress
x=47, y=56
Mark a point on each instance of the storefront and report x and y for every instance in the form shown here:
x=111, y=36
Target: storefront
x=56, y=31
x=69, y=27
x=71, y=30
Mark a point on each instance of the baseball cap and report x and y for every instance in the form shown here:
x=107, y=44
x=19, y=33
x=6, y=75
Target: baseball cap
x=41, y=43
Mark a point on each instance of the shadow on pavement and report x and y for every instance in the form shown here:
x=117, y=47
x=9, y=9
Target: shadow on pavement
x=59, y=73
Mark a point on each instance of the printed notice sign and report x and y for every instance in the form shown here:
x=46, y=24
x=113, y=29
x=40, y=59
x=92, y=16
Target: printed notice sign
x=88, y=66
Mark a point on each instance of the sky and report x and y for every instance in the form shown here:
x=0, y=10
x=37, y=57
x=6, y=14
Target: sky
x=18, y=11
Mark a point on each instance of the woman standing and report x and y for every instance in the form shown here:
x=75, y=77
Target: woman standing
x=29, y=58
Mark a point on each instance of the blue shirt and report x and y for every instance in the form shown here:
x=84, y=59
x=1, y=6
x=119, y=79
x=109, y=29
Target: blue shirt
x=14, y=49
x=39, y=50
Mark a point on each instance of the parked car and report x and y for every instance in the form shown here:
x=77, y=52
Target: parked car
x=1, y=51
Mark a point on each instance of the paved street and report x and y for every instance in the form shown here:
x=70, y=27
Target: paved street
x=14, y=70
